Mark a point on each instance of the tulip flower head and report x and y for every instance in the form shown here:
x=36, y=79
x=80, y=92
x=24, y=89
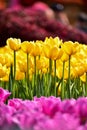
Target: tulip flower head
x=14, y=44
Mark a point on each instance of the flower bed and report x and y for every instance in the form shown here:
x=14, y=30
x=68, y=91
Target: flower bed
x=44, y=68
x=53, y=74
x=44, y=113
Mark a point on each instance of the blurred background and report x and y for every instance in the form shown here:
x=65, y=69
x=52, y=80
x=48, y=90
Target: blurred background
x=35, y=20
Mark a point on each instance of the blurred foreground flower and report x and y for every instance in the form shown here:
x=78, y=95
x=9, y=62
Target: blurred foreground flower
x=44, y=113
x=4, y=94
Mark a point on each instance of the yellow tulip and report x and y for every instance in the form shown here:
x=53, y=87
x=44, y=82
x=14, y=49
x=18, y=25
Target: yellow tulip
x=5, y=78
x=8, y=60
x=22, y=63
x=2, y=59
x=44, y=70
x=52, y=52
x=42, y=63
x=39, y=65
x=55, y=53
x=64, y=57
x=20, y=54
x=51, y=48
x=70, y=48
x=36, y=50
x=5, y=49
x=77, y=71
x=14, y=43
x=53, y=41
x=22, y=66
x=31, y=72
x=27, y=46
x=84, y=64
x=1, y=50
x=46, y=49
x=59, y=90
x=20, y=75
x=83, y=77
x=3, y=71
x=81, y=70
x=60, y=72
x=83, y=49
x=58, y=41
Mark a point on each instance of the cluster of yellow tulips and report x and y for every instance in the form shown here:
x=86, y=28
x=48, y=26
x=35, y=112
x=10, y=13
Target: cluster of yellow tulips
x=49, y=67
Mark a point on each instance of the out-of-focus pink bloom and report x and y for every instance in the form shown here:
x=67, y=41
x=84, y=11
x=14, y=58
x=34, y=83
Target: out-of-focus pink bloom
x=68, y=106
x=40, y=6
x=44, y=113
x=15, y=103
x=53, y=103
x=66, y=122
x=81, y=109
x=4, y=94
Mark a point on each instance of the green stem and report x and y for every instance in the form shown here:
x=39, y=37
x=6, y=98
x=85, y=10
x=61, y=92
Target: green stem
x=49, y=78
x=69, y=93
x=14, y=85
x=78, y=86
x=28, y=89
x=46, y=82
x=27, y=70
x=42, y=85
x=11, y=81
x=14, y=64
x=62, y=87
x=86, y=85
x=55, y=77
x=35, y=79
x=83, y=88
x=50, y=66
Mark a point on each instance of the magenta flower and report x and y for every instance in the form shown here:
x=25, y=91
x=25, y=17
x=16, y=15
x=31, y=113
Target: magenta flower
x=53, y=103
x=4, y=94
x=68, y=106
x=44, y=113
x=15, y=103
x=66, y=122
x=81, y=109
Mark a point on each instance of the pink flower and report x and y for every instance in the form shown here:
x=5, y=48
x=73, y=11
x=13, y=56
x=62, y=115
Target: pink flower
x=4, y=94
x=65, y=122
x=81, y=109
x=15, y=103
x=49, y=105
x=68, y=106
